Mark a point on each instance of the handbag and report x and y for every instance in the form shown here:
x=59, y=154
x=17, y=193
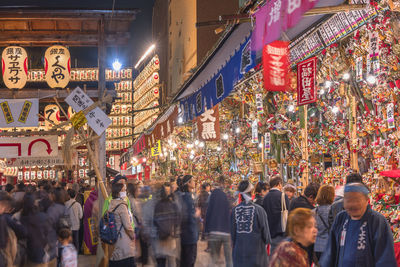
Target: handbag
x=284, y=213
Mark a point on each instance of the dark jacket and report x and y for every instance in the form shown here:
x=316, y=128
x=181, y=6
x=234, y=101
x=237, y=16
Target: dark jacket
x=54, y=213
x=376, y=240
x=259, y=199
x=189, y=229
x=218, y=213
x=300, y=202
x=273, y=207
x=38, y=227
x=335, y=209
x=203, y=203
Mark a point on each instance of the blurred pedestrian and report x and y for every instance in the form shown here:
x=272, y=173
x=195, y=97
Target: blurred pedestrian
x=202, y=203
x=249, y=230
x=67, y=254
x=325, y=196
x=75, y=214
x=189, y=229
x=297, y=251
x=359, y=236
x=290, y=191
x=272, y=204
x=261, y=190
x=307, y=200
x=123, y=252
x=337, y=206
x=217, y=224
x=166, y=221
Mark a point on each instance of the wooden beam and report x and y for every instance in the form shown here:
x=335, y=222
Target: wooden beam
x=31, y=133
x=43, y=93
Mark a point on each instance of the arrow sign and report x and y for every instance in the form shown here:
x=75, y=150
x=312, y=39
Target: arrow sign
x=25, y=147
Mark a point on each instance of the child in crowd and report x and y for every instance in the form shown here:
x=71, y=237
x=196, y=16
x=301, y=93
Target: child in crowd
x=67, y=254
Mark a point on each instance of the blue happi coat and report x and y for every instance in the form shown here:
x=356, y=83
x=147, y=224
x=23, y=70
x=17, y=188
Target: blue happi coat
x=250, y=235
x=375, y=242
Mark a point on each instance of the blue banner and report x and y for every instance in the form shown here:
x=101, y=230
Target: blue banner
x=220, y=86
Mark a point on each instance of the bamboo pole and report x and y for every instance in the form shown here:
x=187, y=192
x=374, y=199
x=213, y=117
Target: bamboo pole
x=304, y=142
x=353, y=134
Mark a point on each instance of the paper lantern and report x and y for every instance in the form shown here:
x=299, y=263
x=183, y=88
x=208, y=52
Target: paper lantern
x=14, y=67
x=51, y=113
x=57, y=66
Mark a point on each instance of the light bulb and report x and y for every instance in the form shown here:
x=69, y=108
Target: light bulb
x=192, y=152
x=144, y=159
x=322, y=91
x=260, y=145
x=371, y=79
x=225, y=137
x=237, y=130
x=196, y=142
x=328, y=84
x=335, y=109
x=218, y=148
x=201, y=144
x=346, y=76
x=116, y=65
x=191, y=156
x=291, y=108
x=180, y=120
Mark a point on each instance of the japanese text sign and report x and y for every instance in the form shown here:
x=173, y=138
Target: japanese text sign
x=277, y=16
x=139, y=145
x=276, y=66
x=78, y=100
x=19, y=113
x=306, y=77
x=14, y=67
x=37, y=146
x=57, y=67
x=52, y=115
x=390, y=115
x=97, y=119
x=39, y=161
x=208, y=125
x=156, y=150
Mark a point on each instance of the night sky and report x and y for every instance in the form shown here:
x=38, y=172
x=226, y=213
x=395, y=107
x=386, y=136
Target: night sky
x=140, y=30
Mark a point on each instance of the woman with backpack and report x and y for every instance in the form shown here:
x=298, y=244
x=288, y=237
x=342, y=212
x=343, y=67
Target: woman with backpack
x=165, y=235
x=123, y=252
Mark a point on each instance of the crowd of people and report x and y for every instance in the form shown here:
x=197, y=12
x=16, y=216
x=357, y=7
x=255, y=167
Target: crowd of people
x=160, y=224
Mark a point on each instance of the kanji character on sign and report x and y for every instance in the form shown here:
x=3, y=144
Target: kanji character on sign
x=207, y=115
x=275, y=13
x=293, y=5
x=208, y=131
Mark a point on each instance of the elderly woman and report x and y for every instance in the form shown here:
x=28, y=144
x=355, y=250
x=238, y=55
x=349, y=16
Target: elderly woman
x=297, y=250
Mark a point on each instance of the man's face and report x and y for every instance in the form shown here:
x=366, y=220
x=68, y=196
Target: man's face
x=174, y=186
x=121, y=181
x=167, y=190
x=289, y=194
x=355, y=204
x=191, y=184
x=208, y=188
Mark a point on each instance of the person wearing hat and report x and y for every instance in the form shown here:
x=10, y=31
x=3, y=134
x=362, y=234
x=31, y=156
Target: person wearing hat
x=189, y=229
x=359, y=235
x=250, y=233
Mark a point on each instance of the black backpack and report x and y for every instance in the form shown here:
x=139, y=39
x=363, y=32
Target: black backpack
x=108, y=229
x=166, y=219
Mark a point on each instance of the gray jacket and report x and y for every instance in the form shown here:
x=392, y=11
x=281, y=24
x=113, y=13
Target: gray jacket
x=321, y=216
x=75, y=213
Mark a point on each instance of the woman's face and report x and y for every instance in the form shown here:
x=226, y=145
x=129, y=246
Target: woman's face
x=307, y=235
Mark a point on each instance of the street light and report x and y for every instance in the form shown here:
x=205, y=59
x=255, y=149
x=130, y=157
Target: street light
x=148, y=51
x=116, y=65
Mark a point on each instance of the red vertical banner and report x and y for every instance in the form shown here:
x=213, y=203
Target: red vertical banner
x=306, y=77
x=208, y=125
x=276, y=66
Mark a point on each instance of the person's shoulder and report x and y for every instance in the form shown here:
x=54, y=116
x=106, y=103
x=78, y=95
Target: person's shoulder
x=377, y=217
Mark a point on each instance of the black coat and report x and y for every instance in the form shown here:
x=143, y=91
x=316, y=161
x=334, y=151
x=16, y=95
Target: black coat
x=273, y=207
x=300, y=202
x=218, y=217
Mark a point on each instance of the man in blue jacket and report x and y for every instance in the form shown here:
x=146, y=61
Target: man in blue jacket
x=217, y=226
x=360, y=236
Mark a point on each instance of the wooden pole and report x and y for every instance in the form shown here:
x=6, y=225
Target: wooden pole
x=304, y=146
x=353, y=134
x=99, y=153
